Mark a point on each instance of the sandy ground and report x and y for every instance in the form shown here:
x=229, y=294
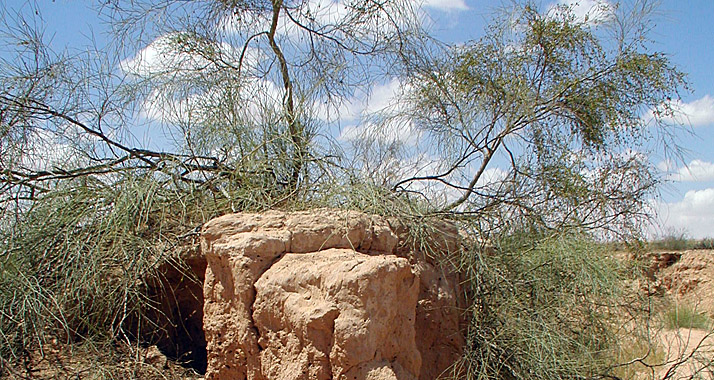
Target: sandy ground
x=690, y=354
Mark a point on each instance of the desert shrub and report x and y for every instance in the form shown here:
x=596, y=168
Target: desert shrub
x=75, y=266
x=79, y=240
x=707, y=243
x=672, y=241
x=685, y=316
x=544, y=307
x=637, y=354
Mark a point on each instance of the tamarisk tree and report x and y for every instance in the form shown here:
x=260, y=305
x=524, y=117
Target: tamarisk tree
x=549, y=116
x=234, y=97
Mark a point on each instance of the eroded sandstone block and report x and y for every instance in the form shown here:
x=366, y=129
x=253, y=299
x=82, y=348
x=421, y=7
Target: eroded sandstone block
x=337, y=314
x=323, y=295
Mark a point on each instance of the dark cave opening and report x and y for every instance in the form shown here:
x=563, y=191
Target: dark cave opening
x=174, y=323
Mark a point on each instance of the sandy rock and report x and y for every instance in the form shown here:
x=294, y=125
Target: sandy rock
x=325, y=314
x=691, y=277
x=322, y=295
x=439, y=316
x=153, y=356
x=689, y=353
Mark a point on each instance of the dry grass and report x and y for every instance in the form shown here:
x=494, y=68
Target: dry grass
x=685, y=316
x=91, y=361
x=640, y=354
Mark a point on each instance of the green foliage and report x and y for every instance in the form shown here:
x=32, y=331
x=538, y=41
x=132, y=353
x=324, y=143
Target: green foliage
x=671, y=242
x=685, y=316
x=638, y=349
x=679, y=241
x=544, y=308
x=77, y=262
x=707, y=243
x=556, y=103
x=74, y=264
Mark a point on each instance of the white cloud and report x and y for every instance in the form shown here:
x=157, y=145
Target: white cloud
x=150, y=59
x=327, y=12
x=339, y=19
x=321, y=14
x=446, y=5
x=694, y=214
x=258, y=99
x=172, y=56
x=47, y=150
x=695, y=171
x=697, y=113
x=160, y=57
x=353, y=132
x=403, y=133
x=381, y=98
x=589, y=11
x=666, y=166
x=168, y=103
x=171, y=68
x=345, y=110
x=384, y=96
x=492, y=178
x=423, y=164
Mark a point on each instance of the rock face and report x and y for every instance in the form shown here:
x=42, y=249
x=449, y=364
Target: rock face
x=689, y=277
x=324, y=295
x=325, y=315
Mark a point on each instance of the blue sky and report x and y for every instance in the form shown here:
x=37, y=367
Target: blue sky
x=683, y=29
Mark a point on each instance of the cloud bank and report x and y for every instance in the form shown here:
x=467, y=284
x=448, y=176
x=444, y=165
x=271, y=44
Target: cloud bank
x=446, y=5
x=588, y=11
x=697, y=113
x=695, y=171
x=694, y=214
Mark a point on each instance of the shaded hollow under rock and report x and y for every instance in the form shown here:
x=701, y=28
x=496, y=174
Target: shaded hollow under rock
x=175, y=323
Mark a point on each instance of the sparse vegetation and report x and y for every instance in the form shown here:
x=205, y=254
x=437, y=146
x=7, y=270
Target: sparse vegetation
x=637, y=347
x=679, y=242
x=706, y=243
x=685, y=316
x=673, y=241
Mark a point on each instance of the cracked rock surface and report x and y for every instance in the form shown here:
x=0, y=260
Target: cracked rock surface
x=324, y=294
